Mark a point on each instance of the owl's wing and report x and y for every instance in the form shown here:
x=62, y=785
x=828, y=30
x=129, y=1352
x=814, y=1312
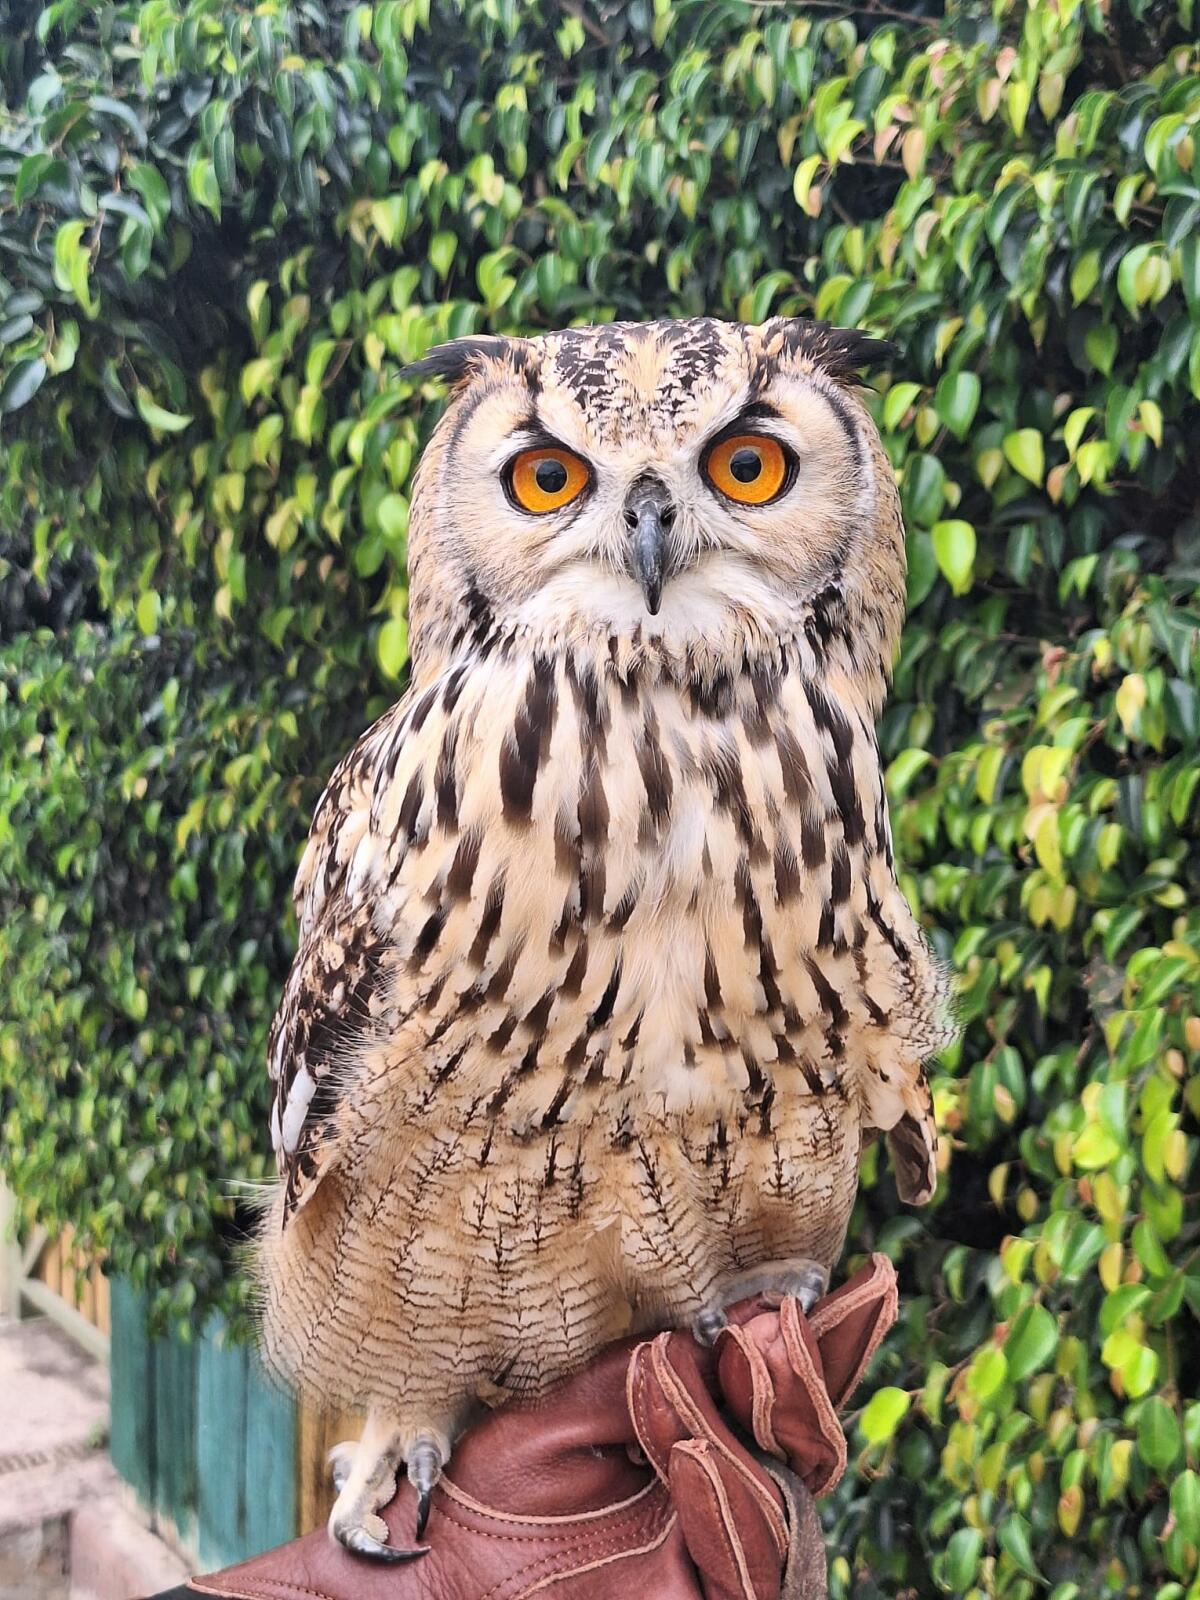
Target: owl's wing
x=336, y=987
x=895, y=1085
x=912, y=1145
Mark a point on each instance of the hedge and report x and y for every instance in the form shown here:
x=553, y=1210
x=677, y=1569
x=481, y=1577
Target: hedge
x=224, y=229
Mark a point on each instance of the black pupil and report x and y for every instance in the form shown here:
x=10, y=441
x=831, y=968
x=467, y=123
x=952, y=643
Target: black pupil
x=551, y=476
x=745, y=464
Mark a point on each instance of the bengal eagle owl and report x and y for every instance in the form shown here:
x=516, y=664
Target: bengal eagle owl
x=603, y=968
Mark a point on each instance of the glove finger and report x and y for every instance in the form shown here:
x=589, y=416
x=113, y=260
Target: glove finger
x=849, y=1325
x=725, y=1526
x=771, y=1376
x=670, y=1405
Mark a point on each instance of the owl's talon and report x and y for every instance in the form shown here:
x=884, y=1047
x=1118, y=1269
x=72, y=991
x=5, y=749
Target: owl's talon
x=774, y=1282
x=360, y=1539
x=806, y=1283
x=425, y=1463
x=424, y=1500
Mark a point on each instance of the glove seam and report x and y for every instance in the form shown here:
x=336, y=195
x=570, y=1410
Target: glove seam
x=838, y=1307
x=459, y=1496
x=830, y=1429
x=650, y=1516
x=694, y=1419
x=635, y=1383
x=264, y=1589
x=724, y=1517
x=761, y=1389
x=590, y=1566
x=610, y=1550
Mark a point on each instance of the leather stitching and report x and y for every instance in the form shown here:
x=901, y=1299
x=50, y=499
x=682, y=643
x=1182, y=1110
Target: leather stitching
x=762, y=1390
x=266, y=1589
x=452, y=1492
x=676, y=1391
x=826, y=1417
x=604, y=1561
x=609, y=1548
x=879, y=1286
x=635, y=1393
x=723, y=1516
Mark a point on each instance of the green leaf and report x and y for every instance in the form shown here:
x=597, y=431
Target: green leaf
x=924, y=488
x=157, y=416
x=1025, y=453
x=1100, y=346
x=202, y=183
x=962, y=1559
x=954, y=548
x=391, y=648
x=442, y=249
x=123, y=113
x=1159, y=1437
x=72, y=265
x=1013, y=1537
x=21, y=382
x=883, y=1414
x=1032, y=1341
x=956, y=401
x=987, y=1373
x=152, y=187
x=922, y=566
x=392, y=515
x=149, y=609
x=1185, y=1505
x=904, y=769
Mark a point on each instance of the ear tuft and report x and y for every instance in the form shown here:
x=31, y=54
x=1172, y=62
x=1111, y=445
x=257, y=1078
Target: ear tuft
x=839, y=352
x=456, y=361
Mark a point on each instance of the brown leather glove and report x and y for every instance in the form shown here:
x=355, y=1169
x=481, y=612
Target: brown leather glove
x=629, y=1478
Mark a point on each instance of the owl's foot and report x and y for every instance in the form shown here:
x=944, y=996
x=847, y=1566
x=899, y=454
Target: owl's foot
x=774, y=1281
x=364, y=1475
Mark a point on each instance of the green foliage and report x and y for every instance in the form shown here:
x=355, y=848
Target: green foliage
x=222, y=232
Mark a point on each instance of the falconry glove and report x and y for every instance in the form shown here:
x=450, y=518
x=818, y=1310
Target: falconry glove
x=665, y=1468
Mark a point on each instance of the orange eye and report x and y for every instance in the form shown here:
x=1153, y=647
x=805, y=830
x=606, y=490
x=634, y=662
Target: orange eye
x=750, y=468
x=546, y=479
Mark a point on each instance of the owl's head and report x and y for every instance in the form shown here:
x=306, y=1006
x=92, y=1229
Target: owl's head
x=690, y=485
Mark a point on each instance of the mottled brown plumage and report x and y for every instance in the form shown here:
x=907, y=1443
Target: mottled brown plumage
x=603, y=967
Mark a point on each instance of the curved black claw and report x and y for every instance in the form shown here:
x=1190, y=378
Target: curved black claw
x=360, y=1541
x=425, y=1463
x=424, y=1499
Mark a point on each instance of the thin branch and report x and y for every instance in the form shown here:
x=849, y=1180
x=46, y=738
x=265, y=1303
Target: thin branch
x=573, y=9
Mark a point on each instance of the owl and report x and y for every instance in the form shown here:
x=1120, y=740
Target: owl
x=603, y=974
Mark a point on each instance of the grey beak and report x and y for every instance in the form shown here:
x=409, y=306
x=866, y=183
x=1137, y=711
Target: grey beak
x=649, y=514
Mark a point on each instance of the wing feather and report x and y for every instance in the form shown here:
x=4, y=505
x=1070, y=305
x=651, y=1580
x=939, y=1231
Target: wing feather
x=338, y=983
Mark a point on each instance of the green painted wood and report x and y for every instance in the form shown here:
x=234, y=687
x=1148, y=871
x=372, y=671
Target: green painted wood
x=131, y=1375
x=271, y=1439
x=175, y=1477
x=221, y=1425
x=206, y=1440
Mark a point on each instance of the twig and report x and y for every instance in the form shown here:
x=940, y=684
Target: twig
x=573, y=9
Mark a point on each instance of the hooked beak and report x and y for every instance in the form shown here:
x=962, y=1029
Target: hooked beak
x=649, y=515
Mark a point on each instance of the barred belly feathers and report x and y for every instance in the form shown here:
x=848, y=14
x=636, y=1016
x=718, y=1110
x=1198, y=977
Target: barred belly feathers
x=604, y=972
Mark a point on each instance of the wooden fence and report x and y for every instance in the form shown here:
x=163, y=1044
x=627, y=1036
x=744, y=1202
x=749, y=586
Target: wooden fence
x=224, y=1462
x=206, y=1441
x=58, y=1280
